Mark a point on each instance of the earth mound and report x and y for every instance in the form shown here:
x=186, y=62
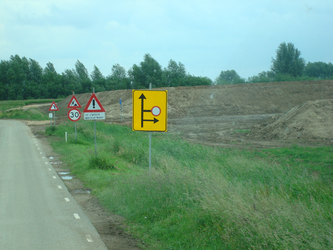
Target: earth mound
x=311, y=120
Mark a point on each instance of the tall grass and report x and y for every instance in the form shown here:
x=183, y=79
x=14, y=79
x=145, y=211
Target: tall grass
x=29, y=114
x=5, y=105
x=199, y=197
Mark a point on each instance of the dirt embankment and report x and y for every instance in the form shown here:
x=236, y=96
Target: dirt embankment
x=201, y=101
x=309, y=121
x=216, y=114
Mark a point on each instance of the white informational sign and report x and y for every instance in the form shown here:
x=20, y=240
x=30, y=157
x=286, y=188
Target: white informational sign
x=94, y=109
x=50, y=115
x=94, y=116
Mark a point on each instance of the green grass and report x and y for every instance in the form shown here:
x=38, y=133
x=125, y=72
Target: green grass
x=29, y=114
x=5, y=105
x=197, y=197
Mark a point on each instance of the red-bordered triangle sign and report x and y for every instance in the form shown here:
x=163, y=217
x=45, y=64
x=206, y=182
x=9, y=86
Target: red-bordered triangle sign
x=74, y=103
x=93, y=105
x=53, y=107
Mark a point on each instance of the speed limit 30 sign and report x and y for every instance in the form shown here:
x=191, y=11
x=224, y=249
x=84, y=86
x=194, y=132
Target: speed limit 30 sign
x=74, y=115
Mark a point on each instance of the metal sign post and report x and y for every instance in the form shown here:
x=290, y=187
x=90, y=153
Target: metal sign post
x=149, y=105
x=121, y=109
x=53, y=108
x=74, y=114
x=95, y=128
x=149, y=142
x=50, y=116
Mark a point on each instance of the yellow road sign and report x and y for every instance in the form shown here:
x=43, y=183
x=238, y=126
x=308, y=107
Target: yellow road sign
x=150, y=110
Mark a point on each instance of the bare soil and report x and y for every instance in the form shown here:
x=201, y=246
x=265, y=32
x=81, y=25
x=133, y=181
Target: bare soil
x=260, y=115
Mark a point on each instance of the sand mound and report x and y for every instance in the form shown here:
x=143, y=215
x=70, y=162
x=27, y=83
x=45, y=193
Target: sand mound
x=310, y=121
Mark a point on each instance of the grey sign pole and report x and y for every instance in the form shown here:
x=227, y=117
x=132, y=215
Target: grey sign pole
x=149, y=142
x=54, y=118
x=121, y=109
x=95, y=132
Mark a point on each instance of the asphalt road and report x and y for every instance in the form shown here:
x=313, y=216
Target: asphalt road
x=36, y=209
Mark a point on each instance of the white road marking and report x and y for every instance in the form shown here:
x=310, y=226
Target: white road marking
x=43, y=157
x=76, y=216
x=60, y=187
x=39, y=148
x=89, y=239
x=46, y=163
x=50, y=169
x=40, y=152
x=67, y=200
x=54, y=177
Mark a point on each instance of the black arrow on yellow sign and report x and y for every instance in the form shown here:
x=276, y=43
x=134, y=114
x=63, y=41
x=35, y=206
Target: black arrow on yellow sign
x=142, y=97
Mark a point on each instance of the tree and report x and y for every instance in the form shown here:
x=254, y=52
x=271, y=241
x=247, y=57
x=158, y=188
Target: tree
x=288, y=61
x=174, y=74
x=265, y=76
x=98, y=80
x=118, y=78
x=319, y=70
x=149, y=71
x=228, y=77
x=197, y=80
x=51, y=82
x=83, y=76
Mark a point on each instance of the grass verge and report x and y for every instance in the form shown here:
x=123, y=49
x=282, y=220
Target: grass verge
x=29, y=114
x=197, y=197
x=5, y=105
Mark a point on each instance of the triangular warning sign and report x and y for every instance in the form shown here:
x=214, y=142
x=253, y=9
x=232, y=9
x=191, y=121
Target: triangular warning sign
x=74, y=103
x=53, y=107
x=93, y=105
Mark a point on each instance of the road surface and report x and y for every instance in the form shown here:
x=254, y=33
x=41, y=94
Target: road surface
x=36, y=209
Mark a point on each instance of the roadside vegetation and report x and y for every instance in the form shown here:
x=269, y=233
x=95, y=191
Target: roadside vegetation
x=198, y=197
x=13, y=109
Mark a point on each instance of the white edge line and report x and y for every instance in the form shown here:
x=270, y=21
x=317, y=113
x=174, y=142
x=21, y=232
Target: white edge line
x=60, y=187
x=89, y=239
x=67, y=200
x=76, y=216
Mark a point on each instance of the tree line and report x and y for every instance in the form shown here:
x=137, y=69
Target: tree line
x=22, y=78
x=288, y=65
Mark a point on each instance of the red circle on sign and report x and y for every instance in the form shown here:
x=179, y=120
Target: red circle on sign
x=74, y=115
x=156, y=111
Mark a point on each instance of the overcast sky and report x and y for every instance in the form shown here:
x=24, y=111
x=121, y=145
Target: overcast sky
x=207, y=36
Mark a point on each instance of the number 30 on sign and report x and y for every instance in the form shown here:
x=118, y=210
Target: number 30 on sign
x=74, y=115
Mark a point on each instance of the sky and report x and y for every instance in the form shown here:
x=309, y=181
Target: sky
x=207, y=36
